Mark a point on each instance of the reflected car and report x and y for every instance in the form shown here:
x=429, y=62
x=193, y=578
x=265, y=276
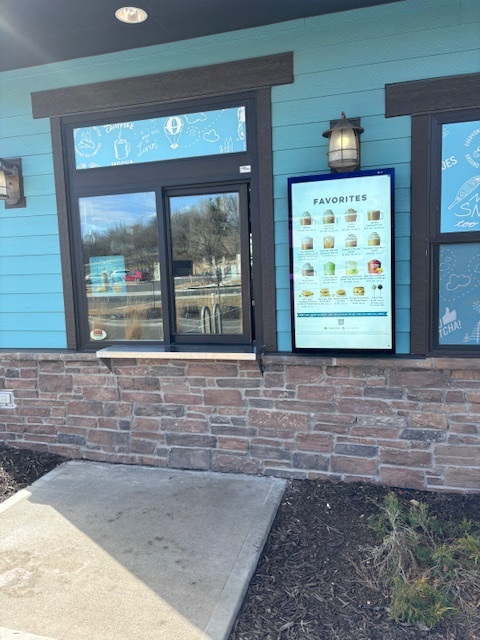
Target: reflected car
x=126, y=275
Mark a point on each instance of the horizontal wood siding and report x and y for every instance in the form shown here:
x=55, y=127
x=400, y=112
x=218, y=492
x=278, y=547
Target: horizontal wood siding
x=341, y=63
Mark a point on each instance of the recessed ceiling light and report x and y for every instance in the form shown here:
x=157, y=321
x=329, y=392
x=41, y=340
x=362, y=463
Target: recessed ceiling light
x=131, y=15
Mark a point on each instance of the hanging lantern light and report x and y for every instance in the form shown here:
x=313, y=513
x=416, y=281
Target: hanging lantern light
x=343, y=145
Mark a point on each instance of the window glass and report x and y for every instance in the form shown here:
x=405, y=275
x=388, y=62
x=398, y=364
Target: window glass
x=206, y=263
x=460, y=190
x=459, y=294
x=171, y=137
x=121, y=266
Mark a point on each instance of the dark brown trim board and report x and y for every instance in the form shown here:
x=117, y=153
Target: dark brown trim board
x=267, y=300
x=218, y=79
x=432, y=95
x=63, y=230
x=419, y=267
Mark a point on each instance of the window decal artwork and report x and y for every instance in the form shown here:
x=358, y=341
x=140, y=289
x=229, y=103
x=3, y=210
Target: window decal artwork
x=222, y=131
x=459, y=294
x=460, y=193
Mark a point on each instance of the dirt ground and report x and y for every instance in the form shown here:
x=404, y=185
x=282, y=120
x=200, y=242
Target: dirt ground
x=20, y=467
x=307, y=585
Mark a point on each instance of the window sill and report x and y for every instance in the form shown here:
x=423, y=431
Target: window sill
x=125, y=351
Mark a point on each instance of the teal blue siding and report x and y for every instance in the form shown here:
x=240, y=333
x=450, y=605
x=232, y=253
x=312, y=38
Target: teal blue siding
x=341, y=63
x=41, y=338
x=35, y=302
x=29, y=226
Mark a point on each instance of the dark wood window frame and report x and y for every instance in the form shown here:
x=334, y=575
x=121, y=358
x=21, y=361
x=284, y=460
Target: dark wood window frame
x=425, y=101
x=255, y=76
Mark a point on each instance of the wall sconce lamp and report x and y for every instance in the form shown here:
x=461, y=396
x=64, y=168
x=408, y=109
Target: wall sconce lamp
x=343, y=144
x=11, y=183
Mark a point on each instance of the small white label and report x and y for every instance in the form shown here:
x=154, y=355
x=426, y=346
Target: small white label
x=246, y=168
x=6, y=400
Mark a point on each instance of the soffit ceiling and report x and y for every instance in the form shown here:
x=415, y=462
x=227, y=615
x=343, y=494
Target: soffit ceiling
x=34, y=32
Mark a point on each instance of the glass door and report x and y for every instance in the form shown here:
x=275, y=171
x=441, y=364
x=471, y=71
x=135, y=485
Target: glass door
x=210, y=264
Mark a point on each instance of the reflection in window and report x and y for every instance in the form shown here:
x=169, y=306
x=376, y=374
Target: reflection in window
x=121, y=266
x=207, y=274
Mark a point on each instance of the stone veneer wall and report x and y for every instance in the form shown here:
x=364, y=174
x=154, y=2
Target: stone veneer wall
x=404, y=422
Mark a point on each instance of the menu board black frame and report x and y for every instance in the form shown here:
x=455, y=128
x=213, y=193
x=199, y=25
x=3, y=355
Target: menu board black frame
x=342, y=262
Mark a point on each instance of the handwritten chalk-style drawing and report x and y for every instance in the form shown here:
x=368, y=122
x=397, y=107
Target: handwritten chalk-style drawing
x=227, y=146
x=449, y=316
x=87, y=142
x=474, y=335
x=465, y=190
x=241, y=123
x=448, y=323
x=446, y=265
x=121, y=147
x=473, y=155
x=192, y=118
x=88, y=165
x=211, y=136
x=173, y=128
x=455, y=282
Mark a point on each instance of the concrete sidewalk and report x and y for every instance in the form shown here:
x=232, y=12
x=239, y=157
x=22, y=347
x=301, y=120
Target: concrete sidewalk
x=102, y=552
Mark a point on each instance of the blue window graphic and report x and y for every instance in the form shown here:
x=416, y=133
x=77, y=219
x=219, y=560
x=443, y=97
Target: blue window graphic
x=168, y=138
x=460, y=195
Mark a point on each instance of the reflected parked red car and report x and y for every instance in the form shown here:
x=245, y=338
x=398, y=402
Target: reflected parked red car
x=126, y=275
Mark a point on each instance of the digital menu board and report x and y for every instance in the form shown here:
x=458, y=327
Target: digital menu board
x=341, y=261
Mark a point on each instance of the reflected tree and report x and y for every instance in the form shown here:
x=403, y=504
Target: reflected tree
x=207, y=233
x=137, y=243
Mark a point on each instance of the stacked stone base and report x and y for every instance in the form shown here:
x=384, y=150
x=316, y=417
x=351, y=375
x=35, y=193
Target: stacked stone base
x=399, y=422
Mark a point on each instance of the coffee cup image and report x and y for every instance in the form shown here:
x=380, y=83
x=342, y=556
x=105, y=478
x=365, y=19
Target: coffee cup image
x=351, y=268
x=373, y=240
x=328, y=242
x=306, y=219
x=374, y=266
x=329, y=269
x=329, y=217
x=351, y=240
x=307, y=243
x=374, y=215
x=308, y=270
x=350, y=215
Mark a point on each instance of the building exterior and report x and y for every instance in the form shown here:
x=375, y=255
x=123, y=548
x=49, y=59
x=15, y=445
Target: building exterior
x=145, y=290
